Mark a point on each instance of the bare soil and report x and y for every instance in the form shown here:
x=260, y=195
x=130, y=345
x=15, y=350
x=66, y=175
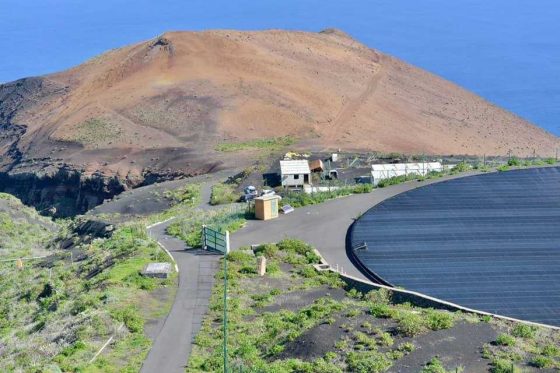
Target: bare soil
x=161, y=106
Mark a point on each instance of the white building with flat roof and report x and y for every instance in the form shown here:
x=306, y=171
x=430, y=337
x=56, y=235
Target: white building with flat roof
x=295, y=173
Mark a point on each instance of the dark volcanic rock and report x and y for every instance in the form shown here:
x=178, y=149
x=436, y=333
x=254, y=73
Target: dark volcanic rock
x=63, y=191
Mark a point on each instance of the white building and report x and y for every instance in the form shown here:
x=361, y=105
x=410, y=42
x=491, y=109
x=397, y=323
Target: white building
x=389, y=170
x=295, y=173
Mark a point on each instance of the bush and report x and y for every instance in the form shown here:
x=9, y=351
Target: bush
x=410, y=324
x=130, y=317
x=362, y=188
x=542, y=362
x=550, y=161
x=268, y=250
x=188, y=195
x=503, y=366
x=223, y=194
x=551, y=350
x=461, y=167
x=434, y=366
x=505, y=340
x=514, y=162
x=397, y=180
x=290, y=245
x=524, y=331
x=381, y=296
x=367, y=362
x=406, y=347
x=384, y=311
x=438, y=320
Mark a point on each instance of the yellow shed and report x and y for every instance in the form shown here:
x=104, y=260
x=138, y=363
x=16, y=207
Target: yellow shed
x=266, y=207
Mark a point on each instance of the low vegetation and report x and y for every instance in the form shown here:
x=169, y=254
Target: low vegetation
x=57, y=313
x=188, y=227
x=335, y=328
x=96, y=131
x=274, y=143
x=300, y=199
x=223, y=194
x=23, y=232
x=57, y=310
x=183, y=201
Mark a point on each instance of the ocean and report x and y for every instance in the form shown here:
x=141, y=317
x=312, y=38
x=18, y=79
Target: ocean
x=507, y=51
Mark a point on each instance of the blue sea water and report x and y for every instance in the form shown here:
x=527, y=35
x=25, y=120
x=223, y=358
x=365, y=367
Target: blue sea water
x=507, y=51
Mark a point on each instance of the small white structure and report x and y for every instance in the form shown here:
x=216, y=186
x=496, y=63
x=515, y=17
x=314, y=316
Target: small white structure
x=159, y=270
x=389, y=170
x=295, y=173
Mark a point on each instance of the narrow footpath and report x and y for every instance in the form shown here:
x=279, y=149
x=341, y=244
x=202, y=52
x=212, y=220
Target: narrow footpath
x=172, y=346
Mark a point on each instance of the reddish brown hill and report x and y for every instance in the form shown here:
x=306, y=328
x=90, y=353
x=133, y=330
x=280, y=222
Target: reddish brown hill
x=163, y=105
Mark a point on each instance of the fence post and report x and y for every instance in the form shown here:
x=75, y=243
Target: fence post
x=204, y=246
x=225, y=316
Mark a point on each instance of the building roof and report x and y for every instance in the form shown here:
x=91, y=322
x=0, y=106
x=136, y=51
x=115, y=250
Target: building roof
x=294, y=167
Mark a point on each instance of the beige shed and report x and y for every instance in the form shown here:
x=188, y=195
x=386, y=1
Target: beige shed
x=266, y=207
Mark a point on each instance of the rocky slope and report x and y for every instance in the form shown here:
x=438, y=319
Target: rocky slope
x=157, y=109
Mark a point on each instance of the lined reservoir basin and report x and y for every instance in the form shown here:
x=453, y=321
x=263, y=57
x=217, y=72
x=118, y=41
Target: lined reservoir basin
x=488, y=242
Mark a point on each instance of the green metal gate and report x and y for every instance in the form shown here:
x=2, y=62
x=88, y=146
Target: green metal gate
x=215, y=240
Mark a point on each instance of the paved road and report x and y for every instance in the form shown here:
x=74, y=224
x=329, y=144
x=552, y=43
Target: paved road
x=172, y=346
x=325, y=225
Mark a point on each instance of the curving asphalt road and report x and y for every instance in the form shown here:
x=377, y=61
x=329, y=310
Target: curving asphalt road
x=172, y=345
x=324, y=226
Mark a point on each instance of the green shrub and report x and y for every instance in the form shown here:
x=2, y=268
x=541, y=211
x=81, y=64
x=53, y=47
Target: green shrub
x=434, y=366
x=524, y=331
x=188, y=195
x=460, y=167
x=410, y=324
x=406, y=347
x=381, y=296
x=505, y=340
x=514, y=162
x=397, y=180
x=308, y=272
x=542, y=362
x=383, y=311
x=362, y=188
x=385, y=339
x=269, y=250
x=130, y=318
x=367, y=362
x=223, y=194
x=551, y=350
x=437, y=320
x=503, y=168
x=550, y=161
x=503, y=366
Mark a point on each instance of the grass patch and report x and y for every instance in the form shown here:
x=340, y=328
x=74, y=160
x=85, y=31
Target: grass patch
x=54, y=318
x=96, y=131
x=223, y=194
x=274, y=143
x=189, y=226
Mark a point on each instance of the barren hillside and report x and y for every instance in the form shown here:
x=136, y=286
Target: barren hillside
x=162, y=106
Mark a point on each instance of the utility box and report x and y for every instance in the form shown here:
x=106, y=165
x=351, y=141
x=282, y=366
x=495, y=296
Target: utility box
x=266, y=207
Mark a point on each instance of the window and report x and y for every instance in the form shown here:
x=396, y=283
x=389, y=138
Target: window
x=296, y=177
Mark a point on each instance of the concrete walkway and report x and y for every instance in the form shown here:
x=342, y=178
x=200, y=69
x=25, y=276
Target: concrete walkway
x=172, y=346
